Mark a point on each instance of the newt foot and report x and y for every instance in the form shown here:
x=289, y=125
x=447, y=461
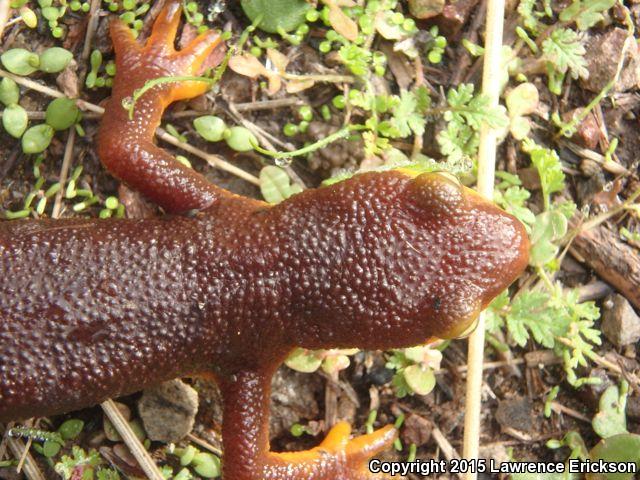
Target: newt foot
x=157, y=57
x=347, y=458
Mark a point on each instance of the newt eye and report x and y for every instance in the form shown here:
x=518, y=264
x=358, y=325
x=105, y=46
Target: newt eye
x=437, y=192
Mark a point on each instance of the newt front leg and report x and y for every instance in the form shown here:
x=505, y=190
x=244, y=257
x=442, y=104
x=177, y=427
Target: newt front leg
x=126, y=145
x=247, y=455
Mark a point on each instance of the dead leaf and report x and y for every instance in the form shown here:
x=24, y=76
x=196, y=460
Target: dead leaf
x=341, y=23
x=247, y=65
x=275, y=83
x=295, y=86
x=67, y=81
x=279, y=60
x=608, y=197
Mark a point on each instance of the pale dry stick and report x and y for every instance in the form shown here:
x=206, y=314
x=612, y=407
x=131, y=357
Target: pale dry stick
x=213, y=160
x=269, y=104
x=51, y=92
x=64, y=172
x=204, y=444
x=31, y=470
x=32, y=115
x=522, y=436
x=445, y=446
x=129, y=438
x=559, y=408
x=610, y=166
x=5, y=9
x=23, y=458
x=210, y=158
x=263, y=136
x=486, y=175
x=493, y=365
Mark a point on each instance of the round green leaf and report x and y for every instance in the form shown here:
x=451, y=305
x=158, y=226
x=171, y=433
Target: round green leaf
x=420, y=380
x=276, y=14
x=37, y=138
x=71, y=428
x=9, y=92
x=15, y=120
x=62, y=113
x=210, y=128
x=619, y=448
x=29, y=17
x=20, y=61
x=206, y=465
x=304, y=361
x=55, y=59
x=188, y=455
x=50, y=449
x=275, y=184
x=241, y=139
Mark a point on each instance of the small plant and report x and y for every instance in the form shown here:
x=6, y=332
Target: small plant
x=214, y=129
x=84, y=465
x=204, y=464
x=308, y=361
x=415, y=368
x=20, y=61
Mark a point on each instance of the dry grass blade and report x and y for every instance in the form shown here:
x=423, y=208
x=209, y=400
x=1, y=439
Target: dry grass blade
x=137, y=449
x=30, y=467
x=486, y=176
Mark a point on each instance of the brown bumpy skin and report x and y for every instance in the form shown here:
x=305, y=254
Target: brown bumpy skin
x=92, y=309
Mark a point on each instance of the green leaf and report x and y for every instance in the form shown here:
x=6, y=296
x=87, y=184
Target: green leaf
x=210, y=127
x=549, y=167
x=586, y=13
x=355, y=58
x=420, y=379
x=563, y=49
x=15, y=120
x=207, y=465
x=275, y=184
x=276, y=14
x=619, y=448
x=305, y=361
x=55, y=59
x=20, y=61
x=474, y=110
x=241, y=139
x=37, y=138
x=51, y=449
x=530, y=312
x=9, y=92
x=62, y=113
x=71, y=428
x=611, y=418
x=406, y=114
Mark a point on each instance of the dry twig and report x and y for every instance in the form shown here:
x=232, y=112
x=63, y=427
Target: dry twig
x=486, y=175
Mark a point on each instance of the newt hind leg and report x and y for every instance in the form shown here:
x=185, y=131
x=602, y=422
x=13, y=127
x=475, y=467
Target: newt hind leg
x=125, y=145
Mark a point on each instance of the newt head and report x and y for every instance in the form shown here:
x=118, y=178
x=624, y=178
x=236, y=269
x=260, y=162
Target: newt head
x=404, y=258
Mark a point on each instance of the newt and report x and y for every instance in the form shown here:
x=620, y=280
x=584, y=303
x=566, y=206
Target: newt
x=226, y=287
